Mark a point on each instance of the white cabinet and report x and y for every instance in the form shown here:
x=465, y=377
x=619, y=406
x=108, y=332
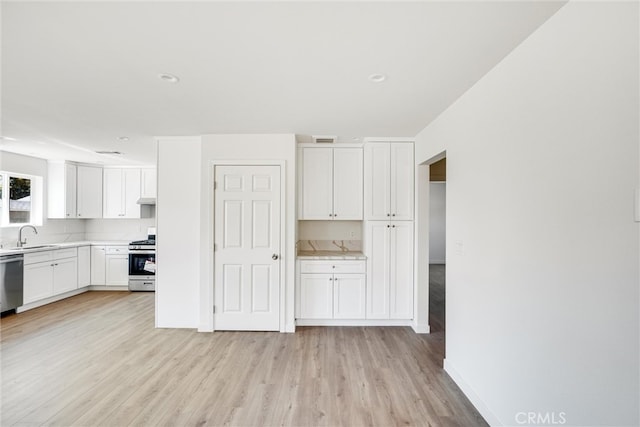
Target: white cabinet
x=117, y=266
x=98, y=260
x=109, y=265
x=49, y=273
x=389, y=250
x=332, y=289
x=148, y=182
x=89, y=194
x=388, y=181
x=331, y=183
x=84, y=266
x=121, y=193
x=61, y=190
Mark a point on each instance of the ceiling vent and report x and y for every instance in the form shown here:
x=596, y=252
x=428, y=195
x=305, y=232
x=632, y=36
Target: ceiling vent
x=109, y=152
x=324, y=139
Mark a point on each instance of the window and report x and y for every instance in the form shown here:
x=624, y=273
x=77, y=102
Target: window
x=20, y=199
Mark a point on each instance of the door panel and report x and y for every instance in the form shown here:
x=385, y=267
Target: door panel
x=347, y=183
x=349, y=296
x=377, y=247
x=402, y=181
x=401, y=294
x=247, y=236
x=377, y=184
x=317, y=183
x=316, y=296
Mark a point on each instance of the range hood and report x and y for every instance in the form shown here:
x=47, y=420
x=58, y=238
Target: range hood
x=146, y=201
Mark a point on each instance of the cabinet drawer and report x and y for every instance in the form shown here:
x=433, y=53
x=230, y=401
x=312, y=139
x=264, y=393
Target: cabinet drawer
x=34, y=257
x=332, y=266
x=117, y=250
x=65, y=253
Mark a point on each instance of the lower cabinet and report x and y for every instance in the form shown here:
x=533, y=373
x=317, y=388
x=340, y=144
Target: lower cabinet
x=84, y=266
x=332, y=289
x=49, y=273
x=109, y=265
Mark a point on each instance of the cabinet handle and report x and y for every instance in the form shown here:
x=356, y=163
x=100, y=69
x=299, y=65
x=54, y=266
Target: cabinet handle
x=331, y=279
x=333, y=266
x=388, y=214
x=393, y=214
x=335, y=215
x=388, y=226
x=393, y=226
x=330, y=215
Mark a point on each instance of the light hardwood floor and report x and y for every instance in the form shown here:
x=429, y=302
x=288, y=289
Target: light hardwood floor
x=96, y=360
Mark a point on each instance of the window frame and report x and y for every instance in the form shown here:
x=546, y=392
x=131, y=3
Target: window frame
x=37, y=199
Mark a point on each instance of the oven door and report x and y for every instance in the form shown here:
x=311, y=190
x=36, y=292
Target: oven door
x=142, y=264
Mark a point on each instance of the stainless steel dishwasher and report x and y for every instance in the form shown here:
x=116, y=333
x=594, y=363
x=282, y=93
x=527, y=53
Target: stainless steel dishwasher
x=11, y=293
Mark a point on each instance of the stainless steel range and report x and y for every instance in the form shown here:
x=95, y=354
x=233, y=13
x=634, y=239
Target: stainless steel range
x=142, y=264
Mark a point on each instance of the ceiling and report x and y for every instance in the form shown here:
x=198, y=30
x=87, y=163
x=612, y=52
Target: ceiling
x=78, y=75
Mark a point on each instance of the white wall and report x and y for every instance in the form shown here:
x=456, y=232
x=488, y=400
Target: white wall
x=543, y=269
x=437, y=222
x=178, y=226
x=184, y=281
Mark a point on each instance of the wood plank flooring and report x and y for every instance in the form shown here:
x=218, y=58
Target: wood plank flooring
x=97, y=360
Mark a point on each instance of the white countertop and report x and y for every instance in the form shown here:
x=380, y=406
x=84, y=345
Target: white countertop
x=50, y=246
x=330, y=255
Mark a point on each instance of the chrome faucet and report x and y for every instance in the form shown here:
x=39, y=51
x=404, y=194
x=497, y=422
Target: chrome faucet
x=20, y=241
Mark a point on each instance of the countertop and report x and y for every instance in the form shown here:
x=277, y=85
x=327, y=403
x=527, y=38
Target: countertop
x=37, y=247
x=330, y=255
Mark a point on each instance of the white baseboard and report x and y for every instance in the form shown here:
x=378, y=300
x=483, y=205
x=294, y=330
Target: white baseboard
x=49, y=300
x=471, y=395
x=204, y=327
x=109, y=288
x=421, y=328
x=353, y=322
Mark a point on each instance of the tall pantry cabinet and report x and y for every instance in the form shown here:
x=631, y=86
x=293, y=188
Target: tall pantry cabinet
x=389, y=207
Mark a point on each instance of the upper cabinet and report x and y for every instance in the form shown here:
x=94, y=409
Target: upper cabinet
x=148, y=186
x=72, y=191
x=89, y=193
x=61, y=189
x=331, y=183
x=388, y=181
x=121, y=193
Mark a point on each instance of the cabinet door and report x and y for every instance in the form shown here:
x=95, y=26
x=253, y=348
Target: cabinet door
x=347, y=183
x=349, y=296
x=65, y=275
x=377, y=251
x=402, y=181
x=70, y=172
x=117, y=270
x=84, y=266
x=89, y=192
x=377, y=182
x=316, y=296
x=98, y=260
x=131, y=188
x=112, y=193
x=317, y=183
x=148, y=186
x=401, y=269
x=38, y=281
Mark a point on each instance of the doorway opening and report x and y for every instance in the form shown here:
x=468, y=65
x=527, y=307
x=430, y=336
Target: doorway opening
x=437, y=246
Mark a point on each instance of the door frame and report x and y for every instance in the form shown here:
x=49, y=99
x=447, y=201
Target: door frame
x=421, y=235
x=207, y=292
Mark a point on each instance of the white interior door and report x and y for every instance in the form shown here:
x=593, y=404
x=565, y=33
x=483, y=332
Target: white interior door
x=247, y=248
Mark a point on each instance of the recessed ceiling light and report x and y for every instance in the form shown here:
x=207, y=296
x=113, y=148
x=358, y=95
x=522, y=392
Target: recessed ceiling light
x=169, y=78
x=123, y=138
x=377, y=78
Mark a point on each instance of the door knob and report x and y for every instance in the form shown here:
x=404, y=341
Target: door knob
x=274, y=257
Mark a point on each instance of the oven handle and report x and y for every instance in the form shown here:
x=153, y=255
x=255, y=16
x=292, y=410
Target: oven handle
x=132, y=252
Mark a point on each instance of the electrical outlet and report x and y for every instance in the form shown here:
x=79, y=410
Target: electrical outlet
x=352, y=235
